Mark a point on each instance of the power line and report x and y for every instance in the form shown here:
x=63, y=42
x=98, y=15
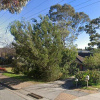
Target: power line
x=25, y=13
x=83, y=3
x=6, y=20
x=62, y=0
x=9, y=17
x=88, y=5
x=35, y=7
x=30, y=11
x=6, y=12
x=28, y=3
x=37, y=12
x=3, y=14
x=71, y=1
x=75, y=6
x=43, y=10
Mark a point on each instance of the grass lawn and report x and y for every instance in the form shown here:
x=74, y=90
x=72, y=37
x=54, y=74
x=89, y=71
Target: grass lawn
x=97, y=86
x=93, y=87
x=21, y=77
x=17, y=76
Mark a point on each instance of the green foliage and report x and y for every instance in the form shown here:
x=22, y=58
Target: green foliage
x=20, y=65
x=69, y=21
x=65, y=72
x=94, y=77
x=40, y=50
x=92, y=62
x=92, y=30
x=68, y=56
x=94, y=40
x=73, y=68
x=13, y=6
x=96, y=50
x=38, y=47
x=68, y=65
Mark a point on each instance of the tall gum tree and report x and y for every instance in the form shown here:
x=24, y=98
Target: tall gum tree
x=70, y=22
x=93, y=29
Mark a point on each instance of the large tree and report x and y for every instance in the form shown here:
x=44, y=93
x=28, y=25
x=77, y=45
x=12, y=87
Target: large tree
x=40, y=50
x=38, y=47
x=93, y=29
x=94, y=40
x=13, y=6
x=69, y=21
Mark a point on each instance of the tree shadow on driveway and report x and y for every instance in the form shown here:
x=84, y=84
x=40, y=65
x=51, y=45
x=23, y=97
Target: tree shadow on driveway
x=8, y=82
x=71, y=88
x=69, y=84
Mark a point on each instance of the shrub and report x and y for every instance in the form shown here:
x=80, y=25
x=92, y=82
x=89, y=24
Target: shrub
x=43, y=74
x=92, y=62
x=94, y=77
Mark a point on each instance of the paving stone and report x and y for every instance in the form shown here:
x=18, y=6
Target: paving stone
x=65, y=96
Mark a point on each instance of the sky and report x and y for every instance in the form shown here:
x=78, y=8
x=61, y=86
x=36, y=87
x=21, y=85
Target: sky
x=36, y=7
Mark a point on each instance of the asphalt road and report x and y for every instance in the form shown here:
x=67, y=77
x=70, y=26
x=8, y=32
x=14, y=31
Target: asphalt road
x=49, y=91
x=7, y=94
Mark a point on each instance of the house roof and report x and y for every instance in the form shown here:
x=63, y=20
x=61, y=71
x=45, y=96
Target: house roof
x=81, y=55
x=79, y=59
x=84, y=53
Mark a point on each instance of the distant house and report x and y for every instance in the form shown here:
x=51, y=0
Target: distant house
x=6, y=55
x=80, y=58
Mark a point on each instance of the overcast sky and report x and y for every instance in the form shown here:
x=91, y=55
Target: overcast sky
x=36, y=7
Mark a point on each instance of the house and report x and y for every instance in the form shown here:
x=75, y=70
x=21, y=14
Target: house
x=6, y=55
x=80, y=58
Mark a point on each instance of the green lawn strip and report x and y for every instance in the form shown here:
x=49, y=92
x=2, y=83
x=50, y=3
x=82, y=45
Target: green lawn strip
x=97, y=86
x=87, y=88
x=17, y=76
x=93, y=87
x=21, y=77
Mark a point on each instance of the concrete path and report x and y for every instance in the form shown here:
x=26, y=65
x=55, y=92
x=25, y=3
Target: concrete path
x=95, y=96
x=52, y=91
x=48, y=91
x=6, y=94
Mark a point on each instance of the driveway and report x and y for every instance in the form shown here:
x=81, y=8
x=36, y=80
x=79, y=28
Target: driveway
x=58, y=90
x=6, y=94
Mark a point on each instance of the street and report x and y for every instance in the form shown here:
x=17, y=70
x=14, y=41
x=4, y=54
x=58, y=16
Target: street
x=7, y=94
x=58, y=90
